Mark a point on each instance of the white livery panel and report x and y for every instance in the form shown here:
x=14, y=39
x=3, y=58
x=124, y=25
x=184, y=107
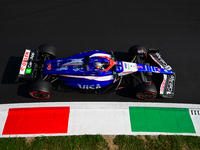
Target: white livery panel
x=128, y=68
x=24, y=62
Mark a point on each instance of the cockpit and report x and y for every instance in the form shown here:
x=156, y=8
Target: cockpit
x=101, y=63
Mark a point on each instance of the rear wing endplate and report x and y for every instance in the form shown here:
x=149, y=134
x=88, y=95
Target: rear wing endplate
x=28, y=67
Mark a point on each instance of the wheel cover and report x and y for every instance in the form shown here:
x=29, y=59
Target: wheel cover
x=40, y=95
x=146, y=95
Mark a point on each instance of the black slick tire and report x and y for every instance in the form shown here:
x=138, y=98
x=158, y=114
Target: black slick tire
x=138, y=50
x=47, y=49
x=146, y=91
x=40, y=89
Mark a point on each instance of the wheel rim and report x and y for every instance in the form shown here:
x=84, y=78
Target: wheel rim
x=40, y=95
x=146, y=95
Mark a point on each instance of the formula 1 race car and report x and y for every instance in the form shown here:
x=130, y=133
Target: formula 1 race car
x=96, y=72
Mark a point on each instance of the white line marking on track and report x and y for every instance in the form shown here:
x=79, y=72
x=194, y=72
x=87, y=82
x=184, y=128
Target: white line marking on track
x=100, y=105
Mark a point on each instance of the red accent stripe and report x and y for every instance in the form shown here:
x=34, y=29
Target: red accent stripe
x=38, y=120
x=37, y=92
x=111, y=63
x=139, y=95
x=121, y=87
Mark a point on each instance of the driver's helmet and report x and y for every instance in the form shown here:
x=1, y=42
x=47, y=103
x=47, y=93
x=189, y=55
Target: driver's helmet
x=98, y=65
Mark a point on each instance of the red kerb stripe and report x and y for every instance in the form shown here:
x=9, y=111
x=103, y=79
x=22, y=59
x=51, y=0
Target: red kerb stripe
x=37, y=120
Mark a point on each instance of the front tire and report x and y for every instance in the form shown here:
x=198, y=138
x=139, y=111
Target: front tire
x=146, y=91
x=41, y=89
x=138, y=50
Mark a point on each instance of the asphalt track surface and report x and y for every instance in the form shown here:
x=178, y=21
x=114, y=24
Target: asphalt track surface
x=73, y=26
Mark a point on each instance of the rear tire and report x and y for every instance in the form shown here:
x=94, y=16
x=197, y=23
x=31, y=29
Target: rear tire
x=47, y=49
x=41, y=89
x=137, y=49
x=146, y=91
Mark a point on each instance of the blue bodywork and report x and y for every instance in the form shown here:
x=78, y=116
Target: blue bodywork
x=146, y=68
x=78, y=71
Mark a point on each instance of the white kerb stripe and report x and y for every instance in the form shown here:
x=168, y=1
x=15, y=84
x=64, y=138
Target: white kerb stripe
x=195, y=116
x=99, y=121
x=101, y=118
x=3, y=117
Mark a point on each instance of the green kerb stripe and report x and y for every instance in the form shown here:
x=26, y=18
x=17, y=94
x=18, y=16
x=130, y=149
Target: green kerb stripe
x=157, y=119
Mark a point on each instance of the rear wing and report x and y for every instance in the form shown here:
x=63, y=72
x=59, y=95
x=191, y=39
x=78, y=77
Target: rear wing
x=167, y=87
x=28, y=66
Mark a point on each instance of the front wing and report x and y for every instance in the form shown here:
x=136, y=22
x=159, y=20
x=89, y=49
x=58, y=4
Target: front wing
x=167, y=87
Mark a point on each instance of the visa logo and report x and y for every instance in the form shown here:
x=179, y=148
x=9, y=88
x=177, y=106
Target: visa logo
x=89, y=86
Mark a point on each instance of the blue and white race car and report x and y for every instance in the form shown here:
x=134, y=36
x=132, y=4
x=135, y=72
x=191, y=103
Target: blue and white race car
x=96, y=72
